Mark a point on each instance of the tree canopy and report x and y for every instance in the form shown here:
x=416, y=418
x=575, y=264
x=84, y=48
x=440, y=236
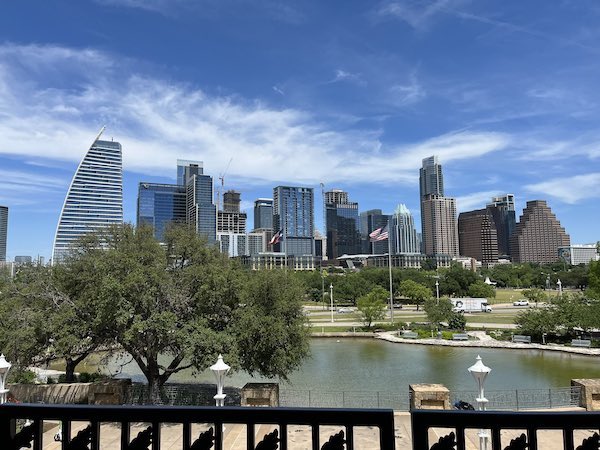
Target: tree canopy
x=372, y=305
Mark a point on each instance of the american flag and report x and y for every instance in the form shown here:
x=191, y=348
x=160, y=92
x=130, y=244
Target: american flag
x=380, y=234
x=277, y=237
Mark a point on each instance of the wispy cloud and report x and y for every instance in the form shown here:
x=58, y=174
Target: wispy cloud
x=417, y=14
x=569, y=189
x=343, y=75
x=407, y=94
x=476, y=200
x=158, y=121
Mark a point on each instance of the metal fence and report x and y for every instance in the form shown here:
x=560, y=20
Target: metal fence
x=344, y=399
x=522, y=399
x=183, y=394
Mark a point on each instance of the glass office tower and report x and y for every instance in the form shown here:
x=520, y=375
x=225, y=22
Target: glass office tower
x=293, y=213
x=341, y=217
x=3, y=231
x=263, y=213
x=159, y=205
x=95, y=197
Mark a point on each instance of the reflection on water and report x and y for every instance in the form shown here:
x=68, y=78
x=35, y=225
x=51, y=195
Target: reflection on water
x=374, y=365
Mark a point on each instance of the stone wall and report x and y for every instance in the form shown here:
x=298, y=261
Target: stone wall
x=429, y=396
x=590, y=393
x=111, y=392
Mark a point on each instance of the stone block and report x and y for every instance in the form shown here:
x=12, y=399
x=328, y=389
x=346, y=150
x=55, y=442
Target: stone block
x=260, y=394
x=590, y=393
x=429, y=396
x=112, y=392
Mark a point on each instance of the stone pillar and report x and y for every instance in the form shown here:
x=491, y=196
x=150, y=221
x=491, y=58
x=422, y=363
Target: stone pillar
x=590, y=393
x=429, y=396
x=112, y=392
x=260, y=394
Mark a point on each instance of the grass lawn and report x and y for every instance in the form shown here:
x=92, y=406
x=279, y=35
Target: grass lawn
x=507, y=296
x=487, y=318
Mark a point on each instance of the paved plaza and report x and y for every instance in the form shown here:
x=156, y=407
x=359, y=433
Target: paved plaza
x=366, y=438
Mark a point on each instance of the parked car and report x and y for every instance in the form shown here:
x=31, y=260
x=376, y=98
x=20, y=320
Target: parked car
x=521, y=302
x=344, y=310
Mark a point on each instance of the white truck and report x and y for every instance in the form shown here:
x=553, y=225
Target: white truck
x=470, y=305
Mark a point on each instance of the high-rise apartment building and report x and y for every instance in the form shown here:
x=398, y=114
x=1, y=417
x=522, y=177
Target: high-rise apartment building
x=370, y=221
x=186, y=169
x=477, y=236
x=3, y=231
x=438, y=213
x=403, y=235
x=201, y=211
x=293, y=212
x=95, y=197
x=538, y=235
x=158, y=205
x=502, y=209
x=440, y=233
x=342, y=225
x=230, y=219
x=263, y=213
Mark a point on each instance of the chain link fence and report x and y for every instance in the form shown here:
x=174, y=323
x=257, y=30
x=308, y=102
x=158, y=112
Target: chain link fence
x=521, y=399
x=183, y=394
x=344, y=399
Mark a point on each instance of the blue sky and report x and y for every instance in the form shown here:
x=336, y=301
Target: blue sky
x=349, y=93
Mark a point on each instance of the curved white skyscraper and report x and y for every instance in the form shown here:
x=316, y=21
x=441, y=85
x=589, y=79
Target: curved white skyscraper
x=404, y=235
x=95, y=197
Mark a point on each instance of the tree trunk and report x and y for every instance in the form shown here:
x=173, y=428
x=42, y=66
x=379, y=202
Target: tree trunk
x=154, y=391
x=70, y=370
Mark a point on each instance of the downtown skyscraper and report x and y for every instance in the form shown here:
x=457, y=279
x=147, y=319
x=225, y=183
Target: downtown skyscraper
x=95, y=197
x=293, y=214
x=342, y=225
x=438, y=213
x=404, y=238
x=502, y=209
x=3, y=232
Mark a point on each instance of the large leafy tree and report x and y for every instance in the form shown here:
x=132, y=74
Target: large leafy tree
x=416, y=292
x=481, y=290
x=438, y=311
x=593, y=290
x=535, y=295
x=178, y=306
x=372, y=305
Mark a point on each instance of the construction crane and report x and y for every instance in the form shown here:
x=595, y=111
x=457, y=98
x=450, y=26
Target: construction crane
x=222, y=178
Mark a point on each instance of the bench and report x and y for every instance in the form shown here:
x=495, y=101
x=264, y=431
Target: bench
x=581, y=343
x=409, y=335
x=521, y=339
x=460, y=337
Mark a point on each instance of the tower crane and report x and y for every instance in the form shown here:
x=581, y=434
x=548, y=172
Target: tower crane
x=222, y=178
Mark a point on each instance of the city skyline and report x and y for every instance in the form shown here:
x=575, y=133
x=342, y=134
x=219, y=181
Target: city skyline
x=504, y=95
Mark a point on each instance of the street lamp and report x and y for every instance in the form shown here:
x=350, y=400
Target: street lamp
x=331, y=299
x=4, y=368
x=220, y=369
x=480, y=372
x=437, y=291
x=559, y=287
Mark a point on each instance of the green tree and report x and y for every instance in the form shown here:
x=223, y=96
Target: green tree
x=178, y=306
x=372, y=305
x=537, y=321
x=456, y=281
x=481, y=290
x=438, y=311
x=593, y=290
x=535, y=295
x=416, y=292
x=457, y=321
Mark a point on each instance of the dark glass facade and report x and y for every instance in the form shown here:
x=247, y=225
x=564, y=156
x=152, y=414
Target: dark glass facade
x=293, y=211
x=263, y=213
x=341, y=216
x=3, y=231
x=159, y=205
x=370, y=221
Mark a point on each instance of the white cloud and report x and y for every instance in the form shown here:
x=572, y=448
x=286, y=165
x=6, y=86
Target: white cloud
x=416, y=14
x=570, y=189
x=476, y=200
x=158, y=121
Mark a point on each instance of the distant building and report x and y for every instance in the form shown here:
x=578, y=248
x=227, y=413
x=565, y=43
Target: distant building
x=404, y=261
x=438, y=213
x=440, y=231
x=159, y=205
x=23, y=259
x=266, y=236
x=538, y=235
x=320, y=246
x=370, y=221
x=95, y=197
x=186, y=169
x=403, y=234
x=277, y=260
x=3, y=231
x=578, y=254
x=263, y=213
x=232, y=244
x=341, y=218
x=502, y=209
x=293, y=212
x=231, y=201
x=477, y=236
x=201, y=211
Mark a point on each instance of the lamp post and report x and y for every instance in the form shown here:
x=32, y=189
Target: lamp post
x=4, y=368
x=559, y=283
x=331, y=299
x=480, y=372
x=220, y=369
x=437, y=291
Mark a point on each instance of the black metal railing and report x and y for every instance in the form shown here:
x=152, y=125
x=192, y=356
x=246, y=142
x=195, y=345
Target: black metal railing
x=529, y=422
x=154, y=416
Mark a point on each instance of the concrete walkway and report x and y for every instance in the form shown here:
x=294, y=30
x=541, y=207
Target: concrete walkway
x=299, y=437
x=487, y=341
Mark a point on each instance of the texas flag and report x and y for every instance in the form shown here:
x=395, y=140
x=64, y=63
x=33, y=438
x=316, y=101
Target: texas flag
x=276, y=237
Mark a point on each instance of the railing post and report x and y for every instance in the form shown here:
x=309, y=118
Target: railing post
x=550, y=398
x=517, y=397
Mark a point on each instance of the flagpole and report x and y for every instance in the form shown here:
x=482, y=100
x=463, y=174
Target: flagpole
x=390, y=267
